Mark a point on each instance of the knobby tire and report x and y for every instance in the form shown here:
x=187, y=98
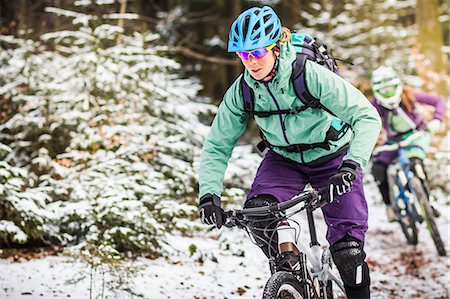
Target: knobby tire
x=407, y=221
x=283, y=281
x=428, y=215
x=409, y=229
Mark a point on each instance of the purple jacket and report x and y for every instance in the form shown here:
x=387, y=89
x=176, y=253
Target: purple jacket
x=438, y=103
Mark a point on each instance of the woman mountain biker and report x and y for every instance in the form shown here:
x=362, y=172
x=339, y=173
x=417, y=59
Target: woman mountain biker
x=267, y=54
x=396, y=104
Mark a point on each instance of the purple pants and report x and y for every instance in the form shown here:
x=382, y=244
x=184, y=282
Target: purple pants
x=284, y=178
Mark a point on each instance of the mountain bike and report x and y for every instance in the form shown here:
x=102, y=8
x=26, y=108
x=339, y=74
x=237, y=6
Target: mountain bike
x=410, y=193
x=307, y=273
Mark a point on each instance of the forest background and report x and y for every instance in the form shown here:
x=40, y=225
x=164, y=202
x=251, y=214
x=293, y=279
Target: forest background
x=104, y=107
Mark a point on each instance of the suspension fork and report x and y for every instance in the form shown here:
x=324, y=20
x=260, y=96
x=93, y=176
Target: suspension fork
x=419, y=172
x=404, y=175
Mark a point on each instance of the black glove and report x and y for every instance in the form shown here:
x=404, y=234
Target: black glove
x=210, y=210
x=342, y=181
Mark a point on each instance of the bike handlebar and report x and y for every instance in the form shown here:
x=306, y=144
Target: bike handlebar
x=400, y=144
x=313, y=199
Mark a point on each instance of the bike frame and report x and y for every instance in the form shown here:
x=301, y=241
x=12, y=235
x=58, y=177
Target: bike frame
x=317, y=260
x=404, y=200
x=413, y=195
x=314, y=256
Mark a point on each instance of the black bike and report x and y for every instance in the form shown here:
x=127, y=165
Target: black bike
x=307, y=272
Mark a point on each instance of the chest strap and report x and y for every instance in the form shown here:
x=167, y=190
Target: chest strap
x=331, y=135
x=277, y=112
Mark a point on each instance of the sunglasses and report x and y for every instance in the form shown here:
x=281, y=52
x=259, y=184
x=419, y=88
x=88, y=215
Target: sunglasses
x=258, y=53
x=388, y=91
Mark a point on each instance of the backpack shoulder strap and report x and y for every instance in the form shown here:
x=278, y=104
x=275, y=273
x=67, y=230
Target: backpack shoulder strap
x=249, y=97
x=299, y=82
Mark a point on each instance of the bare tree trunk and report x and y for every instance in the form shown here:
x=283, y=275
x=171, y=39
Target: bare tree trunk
x=57, y=21
x=120, y=22
x=291, y=13
x=140, y=10
x=433, y=68
x=24, y=16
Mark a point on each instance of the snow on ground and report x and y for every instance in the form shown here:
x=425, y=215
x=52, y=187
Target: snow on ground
x=227, y=265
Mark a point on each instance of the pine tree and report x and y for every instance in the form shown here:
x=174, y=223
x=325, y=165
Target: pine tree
x=25, y=216
x=108, y=133
x=369, y=33
x=27, y=206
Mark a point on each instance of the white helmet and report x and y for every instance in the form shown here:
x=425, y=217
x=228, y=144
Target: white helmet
x=387, y=87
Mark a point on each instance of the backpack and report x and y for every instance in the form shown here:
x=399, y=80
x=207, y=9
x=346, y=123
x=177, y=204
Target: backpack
x=307, y=48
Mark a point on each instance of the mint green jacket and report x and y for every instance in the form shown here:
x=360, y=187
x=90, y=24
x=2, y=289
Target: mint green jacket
x=308, y=126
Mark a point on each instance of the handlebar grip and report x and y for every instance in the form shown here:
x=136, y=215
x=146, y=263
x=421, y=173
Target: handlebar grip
x=322, y=198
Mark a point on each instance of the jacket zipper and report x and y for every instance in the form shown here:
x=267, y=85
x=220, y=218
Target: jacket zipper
x=281, y=117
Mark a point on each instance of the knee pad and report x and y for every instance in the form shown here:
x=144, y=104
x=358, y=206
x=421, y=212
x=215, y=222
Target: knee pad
x=260, y=201
x=379, y=172
x=348, y=256
x=263, y=228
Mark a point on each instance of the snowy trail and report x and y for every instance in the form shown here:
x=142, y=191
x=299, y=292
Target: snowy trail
x=399, y=270
x=232, y=267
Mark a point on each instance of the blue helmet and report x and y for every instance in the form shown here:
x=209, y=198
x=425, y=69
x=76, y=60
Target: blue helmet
x=254, y=28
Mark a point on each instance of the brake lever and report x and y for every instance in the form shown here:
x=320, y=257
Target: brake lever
x=228, y=218
x=319, y=199
x=231, y=219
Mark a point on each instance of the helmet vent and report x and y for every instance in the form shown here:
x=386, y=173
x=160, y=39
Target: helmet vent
x=275, y=34
x=256, y=27
x=269, y=28
x=245, y=27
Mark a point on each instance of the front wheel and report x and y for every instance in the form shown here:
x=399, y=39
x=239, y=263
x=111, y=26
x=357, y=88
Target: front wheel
x=428, y=214
x=409, y=228
x=283, y=285
x=403, y=213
